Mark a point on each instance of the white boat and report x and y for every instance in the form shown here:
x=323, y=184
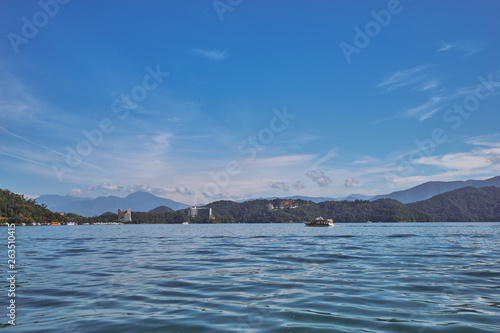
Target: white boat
x=319, y=222
x=185, y=222
x=72, y=223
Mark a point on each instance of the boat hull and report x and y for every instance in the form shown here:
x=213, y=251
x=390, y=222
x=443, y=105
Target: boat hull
x=319, y=224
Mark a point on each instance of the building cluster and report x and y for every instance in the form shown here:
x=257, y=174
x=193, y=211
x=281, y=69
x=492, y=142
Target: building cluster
x=200, y=211
x=284, y=205
x=125, y=215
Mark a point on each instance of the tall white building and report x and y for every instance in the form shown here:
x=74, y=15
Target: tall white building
x=195, y=211
x=125, y=215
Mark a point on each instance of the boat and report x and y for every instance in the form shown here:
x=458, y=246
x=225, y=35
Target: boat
x=185, y=222
x=55, y=223
x=319, y=222
x=72, y=223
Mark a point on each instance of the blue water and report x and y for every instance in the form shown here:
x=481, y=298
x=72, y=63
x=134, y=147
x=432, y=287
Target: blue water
x=376, y=277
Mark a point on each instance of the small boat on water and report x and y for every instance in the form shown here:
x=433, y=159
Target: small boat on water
x=55, y=223
x=319, y=222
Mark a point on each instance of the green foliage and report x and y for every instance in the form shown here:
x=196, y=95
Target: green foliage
x=468, y=204
x=71, y=217
x=259, y=211
x=158, y=218
x=14, y=208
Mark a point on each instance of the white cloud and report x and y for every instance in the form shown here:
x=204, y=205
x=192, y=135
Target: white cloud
x=427, y=109
x=319, y=177
x=474, y=160
x=350, y=182
x=139, y=188
x=424, y=108
x=403, y=78
x=281, y=161
x=428, y=85
x=467, y=48
x=108, y=187
x=279, y=186
x=159, y=190
x=492, y=140
x=163, y=138
x=77, y=193
x=217, y=196
x=298, y=185
x=493, y=158
x=446, y=47
x=215, y=54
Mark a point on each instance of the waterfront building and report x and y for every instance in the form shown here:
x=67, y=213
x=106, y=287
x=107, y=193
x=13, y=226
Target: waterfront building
x=125, y=215
x=203, y=211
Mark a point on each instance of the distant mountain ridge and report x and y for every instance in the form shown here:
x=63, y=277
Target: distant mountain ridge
x=145, y=202
x=351, y=197
x=54, y=200
x=428, y=190
x=138, y=201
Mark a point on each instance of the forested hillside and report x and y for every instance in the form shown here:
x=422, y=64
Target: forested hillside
x=260, y=211
x=468, y=204
x=14, y=208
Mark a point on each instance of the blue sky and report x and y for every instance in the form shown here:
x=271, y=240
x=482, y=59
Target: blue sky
x=205, y=100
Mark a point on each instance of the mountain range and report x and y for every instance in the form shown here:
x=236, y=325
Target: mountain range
x=144, y=202
x=138, y=201
x=351, y=197
x=429, y=189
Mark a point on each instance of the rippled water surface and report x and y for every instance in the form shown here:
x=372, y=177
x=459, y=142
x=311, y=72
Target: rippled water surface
x=258, y=278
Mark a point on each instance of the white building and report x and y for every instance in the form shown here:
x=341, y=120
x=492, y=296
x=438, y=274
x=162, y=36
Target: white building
x=195, y=211
x=125, y=215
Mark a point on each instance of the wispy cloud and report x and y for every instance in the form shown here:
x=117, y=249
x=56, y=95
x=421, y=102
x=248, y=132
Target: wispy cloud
x=404, y=78
x=329, y=155
x=483, y=156
x=17, y=101
x=21, y=158
x=467, y=48
x=456, y=161
x=210, y=54
x=427, y=109
x=492, y=140
x=281, y=161
x=429, y=85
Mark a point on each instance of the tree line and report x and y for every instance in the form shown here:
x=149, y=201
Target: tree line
x=15, y=208
x=467, y=204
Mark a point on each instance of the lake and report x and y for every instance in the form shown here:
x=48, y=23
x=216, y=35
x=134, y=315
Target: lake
x=378, y=277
